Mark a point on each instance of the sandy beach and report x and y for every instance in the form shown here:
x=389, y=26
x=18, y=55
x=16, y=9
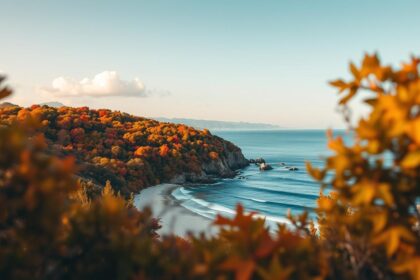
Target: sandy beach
x=174, y=218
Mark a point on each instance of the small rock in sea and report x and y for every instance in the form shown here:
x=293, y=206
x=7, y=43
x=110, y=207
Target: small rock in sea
x=259, y=160
x=264, y=166
x=251, y=160
x=282, y=164
x=293, y=169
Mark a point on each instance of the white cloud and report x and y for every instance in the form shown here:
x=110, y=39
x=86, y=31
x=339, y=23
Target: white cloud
x=107, y=83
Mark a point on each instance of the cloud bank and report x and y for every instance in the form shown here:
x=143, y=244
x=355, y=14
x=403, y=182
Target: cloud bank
x=107, y=83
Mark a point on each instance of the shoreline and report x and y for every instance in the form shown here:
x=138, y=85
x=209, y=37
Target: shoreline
x=173, y=217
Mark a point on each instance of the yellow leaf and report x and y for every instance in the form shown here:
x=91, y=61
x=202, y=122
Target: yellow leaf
x=337, y=144
x=412, y=266
x=412, y=160
x=392, y=243
x=366, y=130
x=370, y=63
x=379, y=221
x=413, y=130
x=371, y=101
x=325, y=203
x=355, y=71
x=340, y=84
x=392, y=238
x=340, y=163
x=316, y=173
x=364, y=193
x=385, y=193
x=374, y=147
x=345, y=99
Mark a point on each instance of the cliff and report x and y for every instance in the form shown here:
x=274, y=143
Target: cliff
x=222, y=167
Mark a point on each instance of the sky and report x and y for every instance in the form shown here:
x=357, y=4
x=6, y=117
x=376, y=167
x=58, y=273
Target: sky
x=253, y=61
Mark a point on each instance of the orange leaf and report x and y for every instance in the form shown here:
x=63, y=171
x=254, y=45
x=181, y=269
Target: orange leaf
x=316, y=173
x=266, y=247
x=354, y=71
x=245, y=271
x=350, y=95
x=412, y=160
x=243, y=268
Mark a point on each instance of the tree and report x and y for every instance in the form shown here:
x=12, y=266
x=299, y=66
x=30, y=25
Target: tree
x=213, y=155
x=164, y=150
x=370, y=219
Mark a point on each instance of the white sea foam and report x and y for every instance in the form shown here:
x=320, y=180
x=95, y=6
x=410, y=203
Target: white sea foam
x=210, y=210
x=258, y=200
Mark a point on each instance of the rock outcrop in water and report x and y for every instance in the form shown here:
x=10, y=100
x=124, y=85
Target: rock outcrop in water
x=257, y=161
x=264, y=166
x=292, y=168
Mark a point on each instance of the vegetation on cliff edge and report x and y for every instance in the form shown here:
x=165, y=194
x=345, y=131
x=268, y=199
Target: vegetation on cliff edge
x=132, y=152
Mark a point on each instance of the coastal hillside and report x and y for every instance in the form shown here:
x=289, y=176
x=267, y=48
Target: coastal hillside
x=131, y=152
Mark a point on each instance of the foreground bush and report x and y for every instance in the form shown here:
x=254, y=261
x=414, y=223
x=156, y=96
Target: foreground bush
x=370, y=221
x=368, y=226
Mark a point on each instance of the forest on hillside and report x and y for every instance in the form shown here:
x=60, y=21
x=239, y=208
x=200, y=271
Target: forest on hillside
x=131, y=152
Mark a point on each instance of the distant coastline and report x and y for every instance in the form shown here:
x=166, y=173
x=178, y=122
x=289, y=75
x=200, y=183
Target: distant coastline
x=219, y=125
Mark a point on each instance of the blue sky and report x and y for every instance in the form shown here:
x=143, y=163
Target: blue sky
x=256, y=61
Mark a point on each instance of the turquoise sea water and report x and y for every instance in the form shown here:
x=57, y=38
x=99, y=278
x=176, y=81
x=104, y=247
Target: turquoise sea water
x=270, y=193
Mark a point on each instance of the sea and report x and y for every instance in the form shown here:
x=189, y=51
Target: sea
x=272, y=193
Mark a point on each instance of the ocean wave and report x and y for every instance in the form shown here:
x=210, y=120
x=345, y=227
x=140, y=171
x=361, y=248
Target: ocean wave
x=277, y=203
x=281, y=200
x=257, y=200
x=200, y=202
x=282, y=192
x=210, y=210
x=274, y=180
x=260, y=188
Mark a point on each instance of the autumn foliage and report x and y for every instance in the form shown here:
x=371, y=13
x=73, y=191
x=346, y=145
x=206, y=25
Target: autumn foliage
x=131, y=152
x=368, y=218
